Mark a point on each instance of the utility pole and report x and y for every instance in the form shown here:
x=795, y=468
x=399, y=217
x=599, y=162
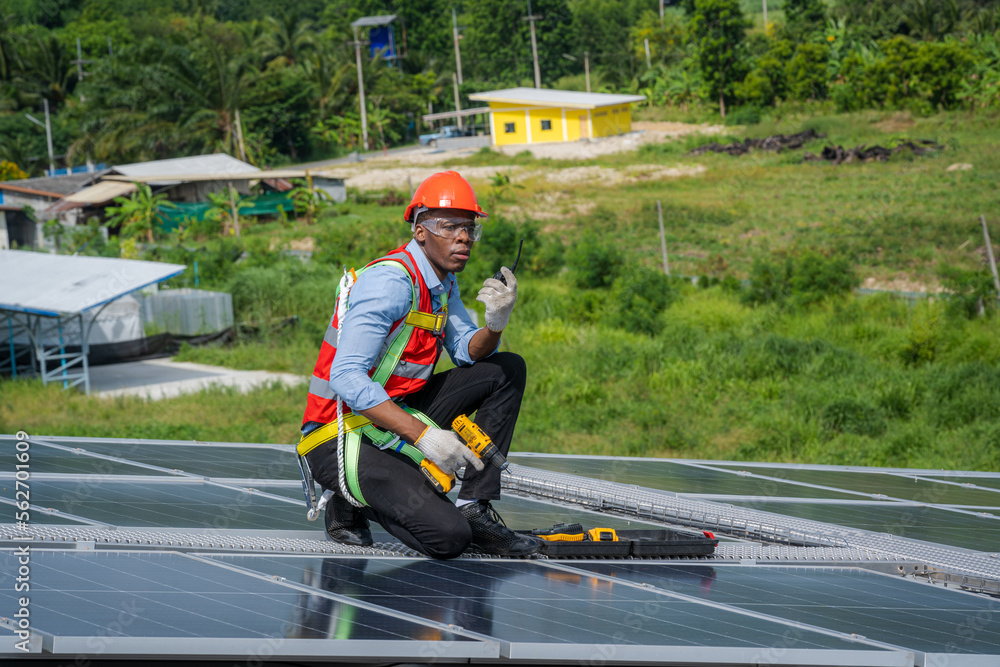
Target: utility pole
x=765, y=16
x=48, y=134
x=586, y=65
x=458, y=106
x=662, y=24
x=531, y=18
x=649, y=64
x=458, y=53
x=361, y=91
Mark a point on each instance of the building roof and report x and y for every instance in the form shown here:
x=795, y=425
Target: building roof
x=9, y=186
x=554, y=98
x=371, y=21
x=45, y=284
x=166, y=172
x=61, y=185
x=259, y=174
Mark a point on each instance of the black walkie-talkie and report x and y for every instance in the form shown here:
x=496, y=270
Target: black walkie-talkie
x=499, y=275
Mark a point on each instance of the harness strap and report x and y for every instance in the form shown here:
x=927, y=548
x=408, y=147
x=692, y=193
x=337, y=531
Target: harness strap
x=356, y=426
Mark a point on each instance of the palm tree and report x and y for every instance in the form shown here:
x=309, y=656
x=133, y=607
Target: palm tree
x=137, y=214
x=290, y=36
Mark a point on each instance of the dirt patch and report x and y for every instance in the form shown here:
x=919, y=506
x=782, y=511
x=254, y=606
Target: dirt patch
x=898, y=122
x=903, y=284
x=550, y=206
x=403, y=178
x=631, y=174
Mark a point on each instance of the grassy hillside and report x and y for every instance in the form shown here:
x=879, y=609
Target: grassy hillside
x=623, y=361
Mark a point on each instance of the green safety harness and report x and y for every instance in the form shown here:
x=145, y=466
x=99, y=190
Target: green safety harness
x=349, y=430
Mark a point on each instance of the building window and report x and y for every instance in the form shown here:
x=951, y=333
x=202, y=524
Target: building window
x=509, y=128
x=546, y=124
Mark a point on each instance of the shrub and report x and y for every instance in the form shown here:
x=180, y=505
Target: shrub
x=848, y=415
x=594, y=262
x=637, y=299
x=743, y=116
x=802, y=280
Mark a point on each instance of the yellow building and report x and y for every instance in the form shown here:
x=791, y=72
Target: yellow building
x=536, y=115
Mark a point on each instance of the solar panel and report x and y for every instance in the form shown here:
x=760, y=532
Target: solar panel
x=220, y=558
x=66, y=461
x=170, y=502
x=207, y=460
x=79, y=600
x=527, y=603
x=884, y=608
x=671, y=476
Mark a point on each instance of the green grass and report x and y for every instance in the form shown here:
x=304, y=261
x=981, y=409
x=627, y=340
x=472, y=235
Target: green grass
x=853, y=380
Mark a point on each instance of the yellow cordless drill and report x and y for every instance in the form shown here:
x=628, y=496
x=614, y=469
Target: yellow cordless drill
x=476, y=440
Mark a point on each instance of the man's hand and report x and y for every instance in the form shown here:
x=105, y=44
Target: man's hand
x=499, y=300
x=447, y=450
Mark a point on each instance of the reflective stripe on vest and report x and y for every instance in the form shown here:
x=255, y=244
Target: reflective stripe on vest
x=407, y=357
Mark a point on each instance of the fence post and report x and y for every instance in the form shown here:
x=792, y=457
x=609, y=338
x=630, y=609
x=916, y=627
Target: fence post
x=989, y=253
x=663, y=238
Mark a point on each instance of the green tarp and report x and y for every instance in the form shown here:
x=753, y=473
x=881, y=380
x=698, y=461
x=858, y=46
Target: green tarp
x=271, y=203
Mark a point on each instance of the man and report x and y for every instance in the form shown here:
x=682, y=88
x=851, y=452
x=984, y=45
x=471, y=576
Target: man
x=399, y=314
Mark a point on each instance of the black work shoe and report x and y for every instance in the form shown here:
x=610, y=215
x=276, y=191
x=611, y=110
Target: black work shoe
x=346, y=524
x=492, y=536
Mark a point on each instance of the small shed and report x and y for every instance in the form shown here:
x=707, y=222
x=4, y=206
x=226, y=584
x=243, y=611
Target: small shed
x=55, y=302
x=537, y=115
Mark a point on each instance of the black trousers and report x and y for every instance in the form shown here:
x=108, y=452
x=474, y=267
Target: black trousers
x=398, y=497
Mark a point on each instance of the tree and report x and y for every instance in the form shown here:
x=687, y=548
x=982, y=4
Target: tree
x=719, y=29
x=804, y=17
x=137, y=214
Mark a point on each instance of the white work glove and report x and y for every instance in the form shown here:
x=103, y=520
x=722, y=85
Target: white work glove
x=447, y=450
x=499, y=300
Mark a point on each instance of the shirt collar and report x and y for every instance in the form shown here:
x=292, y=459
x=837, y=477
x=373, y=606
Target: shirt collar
x=434, y=284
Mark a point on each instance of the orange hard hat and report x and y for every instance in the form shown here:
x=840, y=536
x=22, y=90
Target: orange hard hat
x=446, y=189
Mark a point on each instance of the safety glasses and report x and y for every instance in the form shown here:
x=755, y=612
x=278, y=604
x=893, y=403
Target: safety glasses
x=450, y=229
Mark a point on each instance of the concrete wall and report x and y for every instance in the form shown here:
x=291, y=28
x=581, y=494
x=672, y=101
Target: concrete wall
x=518, y=124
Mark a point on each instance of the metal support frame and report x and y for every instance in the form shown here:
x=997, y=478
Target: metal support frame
x=70, y=368
x=14, y=328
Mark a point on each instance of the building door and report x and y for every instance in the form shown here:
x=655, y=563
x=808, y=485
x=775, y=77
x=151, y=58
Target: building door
x=584, y=128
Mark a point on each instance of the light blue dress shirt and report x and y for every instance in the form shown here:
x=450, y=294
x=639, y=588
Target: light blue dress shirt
x=383, y=295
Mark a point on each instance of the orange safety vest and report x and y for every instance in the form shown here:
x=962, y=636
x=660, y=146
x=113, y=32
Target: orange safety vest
x=408, y=355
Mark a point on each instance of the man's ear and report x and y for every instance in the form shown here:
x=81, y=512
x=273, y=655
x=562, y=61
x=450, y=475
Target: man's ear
x=419, y=234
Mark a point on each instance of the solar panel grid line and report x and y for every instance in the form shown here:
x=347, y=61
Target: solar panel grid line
x=312, y=590
x=778, y=479
x=607, y=495
x=149, y=442
x=83, y=452
x=964, y=485
x=48, y=511
x=822, y=467
x=852, y=637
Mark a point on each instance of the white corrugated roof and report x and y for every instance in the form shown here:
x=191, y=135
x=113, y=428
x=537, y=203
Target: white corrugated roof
x=555, y=98
x=171, y=170
x=369, y=21
x=102, y=192
x=44, y=284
